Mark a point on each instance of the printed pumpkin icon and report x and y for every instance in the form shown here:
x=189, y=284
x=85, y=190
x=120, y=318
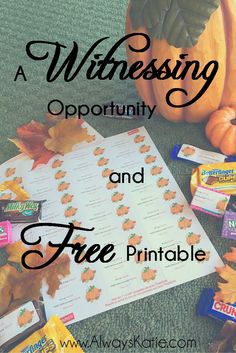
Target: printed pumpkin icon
x=134, y=239
x=139, y=259
x=128, y=224
x=139, y=138
x=148, y=274
x=70, y=211
x=156, y=170
x=25, y=317
x=6, y=196
x=205, y=257
x=184, y=223
x=221, y=205
x=60, y=174
x=117, y=196
x=169, y=195
x=98, y=151
x=76, y=223
x=9, y=172
x=107, y=172
x=102, y=161
x=90, y=138
x=79, y=239
x=57, y=163
x=144, y=149
x=110, y=185
x=176, y=208
x=87, y=275
x=93, y=293
x=17, y=180
x=188, y=151
x=193, y=239
x=162, y=182
x=66, y=198
x=150, y=159
x=63, y=186
x=122, y=210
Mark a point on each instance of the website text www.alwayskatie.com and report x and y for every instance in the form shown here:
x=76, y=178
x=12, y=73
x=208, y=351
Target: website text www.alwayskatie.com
x=134, y=342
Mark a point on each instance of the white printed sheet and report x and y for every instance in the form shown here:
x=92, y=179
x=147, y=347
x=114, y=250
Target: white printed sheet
x=150, y=214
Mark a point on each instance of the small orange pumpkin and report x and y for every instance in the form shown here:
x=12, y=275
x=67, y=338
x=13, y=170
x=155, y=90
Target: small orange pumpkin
x=221, y=130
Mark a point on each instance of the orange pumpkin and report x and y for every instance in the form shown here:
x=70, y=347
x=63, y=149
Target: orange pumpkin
x=221, y=130
x=217, y=42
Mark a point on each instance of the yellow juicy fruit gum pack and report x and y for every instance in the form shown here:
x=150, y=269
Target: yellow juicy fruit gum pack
x=219, y=176
x=54, y=337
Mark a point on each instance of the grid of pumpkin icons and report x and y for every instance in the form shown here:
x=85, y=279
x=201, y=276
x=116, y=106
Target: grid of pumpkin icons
x=122, y=210
x=87, y=273
x=176, y=209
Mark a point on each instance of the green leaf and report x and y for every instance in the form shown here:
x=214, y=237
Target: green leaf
x=180, y=22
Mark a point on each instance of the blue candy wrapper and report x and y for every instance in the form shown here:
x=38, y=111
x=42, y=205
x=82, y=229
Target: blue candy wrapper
x=207, y=306
x=189, y=153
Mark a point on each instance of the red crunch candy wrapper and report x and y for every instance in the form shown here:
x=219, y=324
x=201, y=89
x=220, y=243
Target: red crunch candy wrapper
x=225, y=341
x=207, y=306
x=29, y=211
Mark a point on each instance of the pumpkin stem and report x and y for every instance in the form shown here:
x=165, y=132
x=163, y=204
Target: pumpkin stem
x=233, y=122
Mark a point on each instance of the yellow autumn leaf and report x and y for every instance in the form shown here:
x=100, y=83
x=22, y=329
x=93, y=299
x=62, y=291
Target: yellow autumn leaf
x=65, y=134
x=15, y=251
x=5, y=287
x=227, y=291
x=231, y=256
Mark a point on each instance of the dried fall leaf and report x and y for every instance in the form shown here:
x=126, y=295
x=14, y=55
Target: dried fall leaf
x=27, y=287
x=55, y=273
x=15, y=251
x=231, y=256
x=65, y=134
x=31, y=138
x=18, y=287
x=227, y=291
x=5, y=288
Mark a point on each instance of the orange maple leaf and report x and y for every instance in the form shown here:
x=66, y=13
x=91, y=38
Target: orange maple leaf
x=31, y=138
x=41, y=142
x=227, y=291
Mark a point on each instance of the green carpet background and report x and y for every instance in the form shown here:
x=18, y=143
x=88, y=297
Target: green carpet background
x=170, y=314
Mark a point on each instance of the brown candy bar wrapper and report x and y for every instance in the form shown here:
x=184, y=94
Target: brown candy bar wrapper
x=225, y=341
x=29, y=211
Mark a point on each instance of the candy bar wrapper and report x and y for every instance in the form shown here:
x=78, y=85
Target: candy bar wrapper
x=229, y=225
x=11, y=190
x=210, y=201
x=49, y=339
x=196, y=155
x=225, y=341
x=220, y=176
x=207, y=306
x=232, y=204
x=5, y=233
x=20, y=323
x=29, y=211
x=19, y=193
